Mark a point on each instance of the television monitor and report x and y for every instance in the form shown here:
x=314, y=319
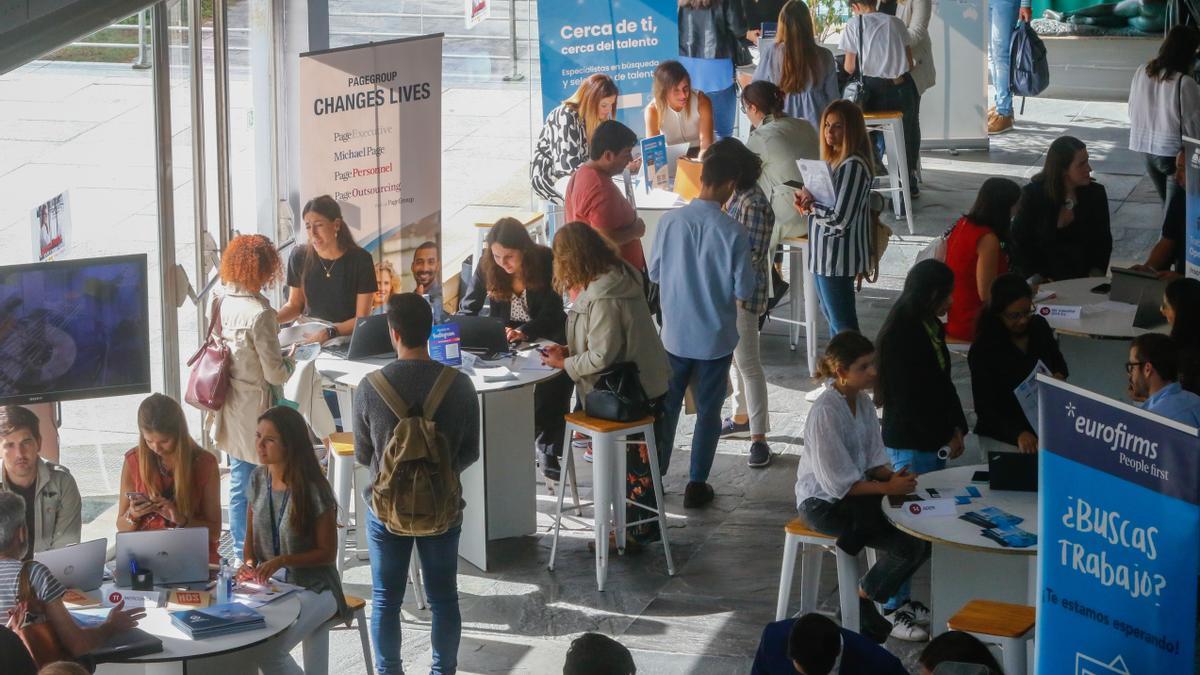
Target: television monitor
x=74, y=329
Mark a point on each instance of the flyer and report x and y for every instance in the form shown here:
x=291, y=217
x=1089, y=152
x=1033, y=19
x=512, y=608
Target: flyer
x=655, y=168
x=444, y=345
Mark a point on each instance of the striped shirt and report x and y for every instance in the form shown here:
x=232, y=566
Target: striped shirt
x=753, y=210
x=840, y=236
x=45, y=586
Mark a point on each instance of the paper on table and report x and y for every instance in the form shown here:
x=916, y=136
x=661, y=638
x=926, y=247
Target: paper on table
x=295, y=333
x=818, y=179
x=1110, y=306
x=256, y=595
x=1027, y=393
x=659, y=199
x=501, y=374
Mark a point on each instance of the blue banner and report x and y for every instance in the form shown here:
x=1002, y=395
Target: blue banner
x=1191, y=158
x=1118, y=521
x=624, y=39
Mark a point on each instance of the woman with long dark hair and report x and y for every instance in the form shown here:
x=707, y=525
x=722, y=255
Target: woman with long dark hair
x=803, y=70
x=1062, y=226
x=710, y=35
x=779, y=140
x=975, y=253
x=330, y=278
x=1164, y=106
x=516, y=277
x=291, y=534
x=1011, y=342
x=1181, y=307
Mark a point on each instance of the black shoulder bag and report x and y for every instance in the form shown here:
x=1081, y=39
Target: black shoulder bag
x=618, y=395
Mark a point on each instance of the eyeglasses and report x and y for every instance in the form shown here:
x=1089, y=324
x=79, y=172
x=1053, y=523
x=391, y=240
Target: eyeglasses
x=1133, y=364
x=1017, y=316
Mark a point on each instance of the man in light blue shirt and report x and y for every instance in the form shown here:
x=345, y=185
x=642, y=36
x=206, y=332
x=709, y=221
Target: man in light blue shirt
x=701, y=262
x=1153, y=369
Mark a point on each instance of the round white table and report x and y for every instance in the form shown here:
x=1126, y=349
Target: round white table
x=967, y=565
x=179, y=649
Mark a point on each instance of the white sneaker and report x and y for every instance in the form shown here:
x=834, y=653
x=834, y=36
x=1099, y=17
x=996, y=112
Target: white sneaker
x=904, y=627
x=920, y=612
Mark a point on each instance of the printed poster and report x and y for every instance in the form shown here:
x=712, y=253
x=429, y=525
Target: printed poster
x=655, y=170
x=51, y=221
x=1119, y=542
x=476, y=12
x=370, y=136
x=1191, y=158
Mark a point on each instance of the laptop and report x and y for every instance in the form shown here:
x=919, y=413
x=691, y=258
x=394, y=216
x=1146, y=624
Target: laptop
x=78, y=565
x=1013, y=471
x=1149, y=309
x=178, y=556
x=370, y=338
x=481, y=334
x=1128, y=285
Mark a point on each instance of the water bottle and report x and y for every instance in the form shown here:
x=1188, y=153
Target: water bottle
x=224, y=583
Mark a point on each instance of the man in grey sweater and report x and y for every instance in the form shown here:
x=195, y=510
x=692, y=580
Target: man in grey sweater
x=457, y=418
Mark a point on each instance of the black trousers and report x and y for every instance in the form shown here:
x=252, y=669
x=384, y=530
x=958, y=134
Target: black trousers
x=551, y=401
x=887, y=95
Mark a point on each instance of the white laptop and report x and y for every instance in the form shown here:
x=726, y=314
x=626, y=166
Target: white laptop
x=177, y=556
x=78, y=565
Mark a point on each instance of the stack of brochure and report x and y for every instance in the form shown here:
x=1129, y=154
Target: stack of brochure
x=1001, y=527
x=223, y=619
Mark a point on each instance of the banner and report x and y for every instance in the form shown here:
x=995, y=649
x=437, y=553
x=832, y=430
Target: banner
x=1118, y=524
x=624, y=39
x=370, y=136
x=1191, y=158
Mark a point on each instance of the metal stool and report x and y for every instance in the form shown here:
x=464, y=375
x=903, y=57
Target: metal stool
x=891, y=124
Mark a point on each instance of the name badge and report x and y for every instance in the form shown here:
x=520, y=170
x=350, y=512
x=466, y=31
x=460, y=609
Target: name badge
x=931, y=508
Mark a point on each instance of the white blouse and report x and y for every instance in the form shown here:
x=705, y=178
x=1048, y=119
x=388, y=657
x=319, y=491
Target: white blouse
x=681, y=126
x=839, y=446
x=1154, y=107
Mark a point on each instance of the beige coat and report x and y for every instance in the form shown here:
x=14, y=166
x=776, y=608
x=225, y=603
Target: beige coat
x=915, y=14
x=609, y=324
x=779, y=142
x=251, y=331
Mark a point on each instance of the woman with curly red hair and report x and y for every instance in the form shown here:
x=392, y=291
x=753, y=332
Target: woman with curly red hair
x=250, y=329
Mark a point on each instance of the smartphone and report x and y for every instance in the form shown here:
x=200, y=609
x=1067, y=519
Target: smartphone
x=981, y=477
x=1102, y=288
x=137, y=497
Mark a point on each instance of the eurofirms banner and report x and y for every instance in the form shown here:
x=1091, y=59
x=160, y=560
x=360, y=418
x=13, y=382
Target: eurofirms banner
x=1191, y=158
x=1118, y=524
x=370, y=137
x=624, y=39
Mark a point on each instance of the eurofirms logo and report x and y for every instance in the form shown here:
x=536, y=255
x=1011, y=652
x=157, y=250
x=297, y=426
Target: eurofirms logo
x=1115, y=437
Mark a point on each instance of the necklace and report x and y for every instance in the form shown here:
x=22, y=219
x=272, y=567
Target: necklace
x=327, y=269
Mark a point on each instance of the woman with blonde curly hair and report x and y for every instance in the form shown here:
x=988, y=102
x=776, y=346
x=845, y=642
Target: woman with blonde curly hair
x=250, y=329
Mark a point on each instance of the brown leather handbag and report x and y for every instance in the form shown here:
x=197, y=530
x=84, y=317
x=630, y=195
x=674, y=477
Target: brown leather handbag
x=40, y=638
x=209, y=380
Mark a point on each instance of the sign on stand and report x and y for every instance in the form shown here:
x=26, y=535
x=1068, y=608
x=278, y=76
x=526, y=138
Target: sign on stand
x=1191, y=158
x=1119, y=529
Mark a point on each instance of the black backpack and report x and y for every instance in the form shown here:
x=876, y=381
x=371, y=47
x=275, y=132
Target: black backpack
x=1028, y=69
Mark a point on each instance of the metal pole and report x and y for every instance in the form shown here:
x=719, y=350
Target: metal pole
x=165, y=184
x=143, y=60
x=514, y=75
x=221, y=95
x=199, y=165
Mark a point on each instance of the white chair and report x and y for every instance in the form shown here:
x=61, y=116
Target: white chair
x=891, y=124
x=609, y=441
x=815, y=544
x=1003, y=624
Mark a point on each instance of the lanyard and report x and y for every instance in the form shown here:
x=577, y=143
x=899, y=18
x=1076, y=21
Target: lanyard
x=277, y=522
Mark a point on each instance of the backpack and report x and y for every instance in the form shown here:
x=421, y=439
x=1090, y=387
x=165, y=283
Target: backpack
x=416, y=492
x=1028, y=69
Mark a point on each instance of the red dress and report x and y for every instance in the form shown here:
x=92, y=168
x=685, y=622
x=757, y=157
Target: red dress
x=962, y=256
x=204, y=468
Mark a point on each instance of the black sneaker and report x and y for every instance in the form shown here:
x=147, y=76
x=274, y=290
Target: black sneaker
x=696, y=495
x=760, y=455
x=871, y=623
x=551, y=468
x=730, y=428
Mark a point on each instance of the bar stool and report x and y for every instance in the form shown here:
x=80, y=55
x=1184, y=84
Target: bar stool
x=798, y=534
x=316, y=647
x=609, y=441
x=891, y=124
x=1003, y=624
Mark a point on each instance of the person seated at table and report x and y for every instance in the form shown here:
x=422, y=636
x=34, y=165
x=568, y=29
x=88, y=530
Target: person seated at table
x=593, y=198
x=975, y=253
x=1153, y=379
x=1011, y=342
x=562, y=145
x=168, y=480
x=805, y=71
x=331, y=278
x=1062, y=230
x=291, y=535
x=1181, y=308
x=779, y=140
x=46, y=605
x=814, y=645
x=957, y=647
x=678, y=112
x=609, y=323
x=53, y=514
x=596, y=654
x=843, y=472
x=517, y=277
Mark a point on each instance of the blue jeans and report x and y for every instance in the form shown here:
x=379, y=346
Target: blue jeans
x=918, y=462
x=390, y=555
x=239, y=478
x=1004, y=19
x=837, y=303
x=709, y=395
x=724, y=110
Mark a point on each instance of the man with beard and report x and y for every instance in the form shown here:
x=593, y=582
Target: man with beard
x=1153, y=369
x=427, y=271
x=52, y=504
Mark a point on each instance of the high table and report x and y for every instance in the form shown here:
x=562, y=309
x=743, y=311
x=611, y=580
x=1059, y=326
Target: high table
x=179, y=649
x=1096, y=345
x=499, y=489
x=967, y=565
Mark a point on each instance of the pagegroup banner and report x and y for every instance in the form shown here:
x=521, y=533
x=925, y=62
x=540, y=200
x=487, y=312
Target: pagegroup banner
x=624, y=39
x=1191, y=158
x=1119, y=543
x=370, y=136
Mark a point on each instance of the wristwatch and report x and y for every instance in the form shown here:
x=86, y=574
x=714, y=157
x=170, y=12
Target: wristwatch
x=331, y=332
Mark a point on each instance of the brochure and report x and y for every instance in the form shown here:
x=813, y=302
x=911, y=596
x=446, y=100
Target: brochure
x=818, y=179
x=1027, y=393
x=1011, y=537
x=223, y=619
x=254, y=594
x=295, y=333
x=991, y=517
x=655, y=169
x=444, y=345
x=769, y=30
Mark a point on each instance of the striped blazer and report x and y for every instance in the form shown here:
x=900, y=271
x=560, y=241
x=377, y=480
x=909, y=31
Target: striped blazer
x=840, y=235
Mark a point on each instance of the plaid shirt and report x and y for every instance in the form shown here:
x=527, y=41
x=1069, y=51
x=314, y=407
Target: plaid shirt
x=753, y=210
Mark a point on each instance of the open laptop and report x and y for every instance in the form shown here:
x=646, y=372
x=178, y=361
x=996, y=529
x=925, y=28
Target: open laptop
x=1128, y=285
x=481, y=334
x=78, y=565
x=1013, y=471
x=370, y=338
x=1149, y=308
x=178, y=556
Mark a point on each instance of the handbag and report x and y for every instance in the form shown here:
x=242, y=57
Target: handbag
x=618, y=395
x=39, y=638
x=208, y=382
x=856, y=88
